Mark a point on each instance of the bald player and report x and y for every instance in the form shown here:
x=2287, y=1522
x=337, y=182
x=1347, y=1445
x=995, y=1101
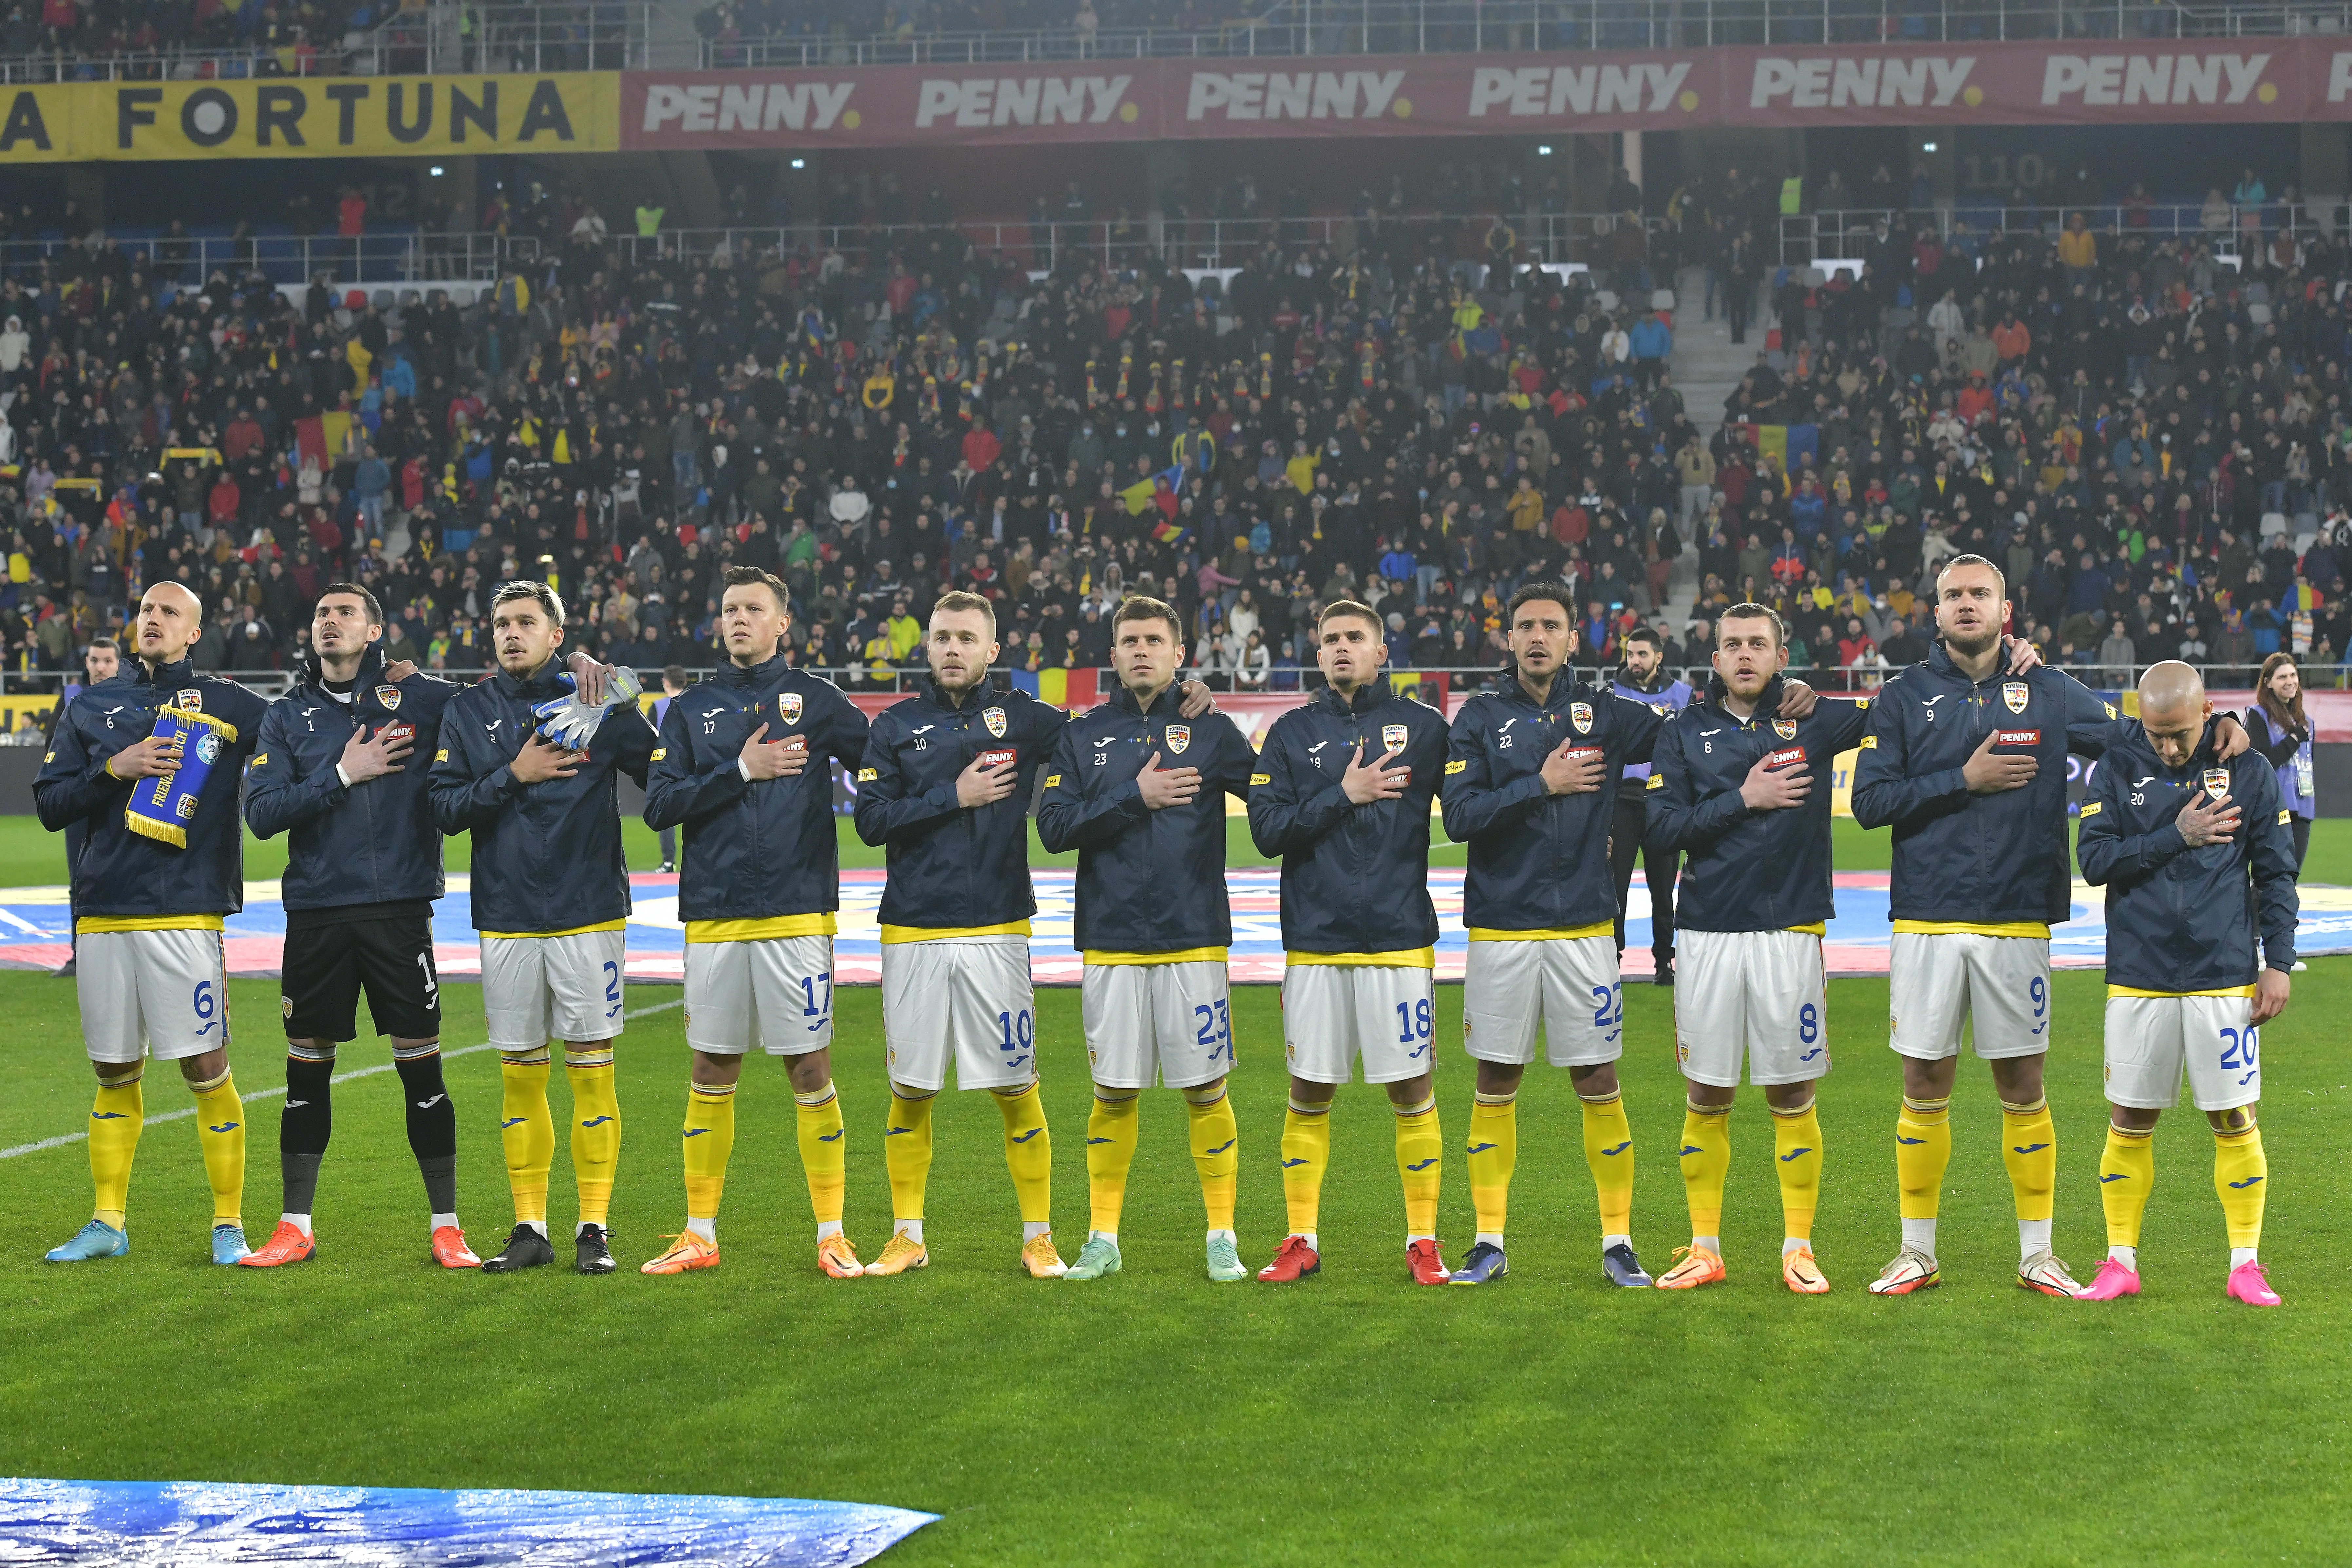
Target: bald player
x=2197, y=853
x=148, y=912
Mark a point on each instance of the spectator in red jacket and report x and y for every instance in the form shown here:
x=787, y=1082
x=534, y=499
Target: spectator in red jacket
x=242, y=436
x=981, y=448
x=225, y=502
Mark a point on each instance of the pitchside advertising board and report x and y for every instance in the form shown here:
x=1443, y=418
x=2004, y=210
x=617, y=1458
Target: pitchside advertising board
x=2284, y=80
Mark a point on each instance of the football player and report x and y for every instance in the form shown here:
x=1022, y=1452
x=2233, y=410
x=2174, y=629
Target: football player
x=1733, y=789
x=148, y=907
x=1139, y=791
x=741, y=766
x=551, y=899
x=2180, y=836
x=1342, y=796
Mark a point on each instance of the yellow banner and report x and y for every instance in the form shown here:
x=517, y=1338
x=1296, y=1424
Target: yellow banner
x=312, y=116
x=1842, y=782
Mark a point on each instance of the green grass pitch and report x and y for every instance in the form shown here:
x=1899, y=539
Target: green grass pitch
x=1156, y=1418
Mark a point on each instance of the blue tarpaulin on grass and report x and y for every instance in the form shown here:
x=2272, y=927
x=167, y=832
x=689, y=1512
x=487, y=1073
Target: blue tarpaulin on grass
x=191, y=1524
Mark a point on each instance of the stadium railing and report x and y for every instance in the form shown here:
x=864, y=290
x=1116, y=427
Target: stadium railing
x=1844, y=234
x=1566, y=241
x=415, y=256
x=1311, y=28
x=1201, y=244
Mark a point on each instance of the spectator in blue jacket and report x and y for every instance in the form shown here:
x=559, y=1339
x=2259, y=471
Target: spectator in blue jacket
x=370, y=484
x=1653, y=344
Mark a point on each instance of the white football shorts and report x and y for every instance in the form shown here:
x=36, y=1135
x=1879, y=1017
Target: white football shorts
x=1334, y=1013
x=2153, y=1040
x=1752, y=994
x=961, y=999
x=775, y=992
x=1939, y=981
x=1171, y=1023
x=1568, y=985
x=160, y=993
x=538, y=988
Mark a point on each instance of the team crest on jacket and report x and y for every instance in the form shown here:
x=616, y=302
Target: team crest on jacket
x=1180, y=735
x=190, y=701
x=389, y=697
x=1394, y=736
x=2216, y=783
x=994, y=718
x=788, y=705
x=1581, y=715
x=2013, y=694
x=1786, y=728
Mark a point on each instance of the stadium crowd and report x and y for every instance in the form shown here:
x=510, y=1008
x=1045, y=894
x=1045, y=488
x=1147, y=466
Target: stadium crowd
x=2112, y=417
x=79, y=38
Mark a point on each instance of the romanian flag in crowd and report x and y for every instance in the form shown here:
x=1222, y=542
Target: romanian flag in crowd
x=1063, y=688
x=322, y=438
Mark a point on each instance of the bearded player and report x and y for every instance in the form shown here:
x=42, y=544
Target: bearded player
x=1732, y=788
x=741, y=769
x=551, y=899
x=1530, y=785
x=364, y=866
x=2197, y=853
x=945, y=789
x=1342, y=797
x=1967, y=762
x=1139, y=791
x=151, y=977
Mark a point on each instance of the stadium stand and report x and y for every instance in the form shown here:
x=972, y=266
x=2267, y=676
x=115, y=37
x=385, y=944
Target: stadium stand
x=2145, y=429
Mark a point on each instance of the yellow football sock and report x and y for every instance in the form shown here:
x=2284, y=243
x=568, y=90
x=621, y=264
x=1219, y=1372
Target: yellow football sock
x=1494, y=1150
x=1796, y=1151
x=2242, y=1176
x=2029, y=1147
x=119, y=1111
x=220, y=1130
x=1923, y=1147
x=1110, y=1149
x=1028, y=1151
x=709, y=1139
x=595, y=1129
x=526, y=1130
x=1306, y=1156
x=1609, y=1150
x=1706, y=1163
x=906, y=1152
x=2127, y=1175
x=1421, y=1156
x=825, y=1150
x=1216, y=1151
